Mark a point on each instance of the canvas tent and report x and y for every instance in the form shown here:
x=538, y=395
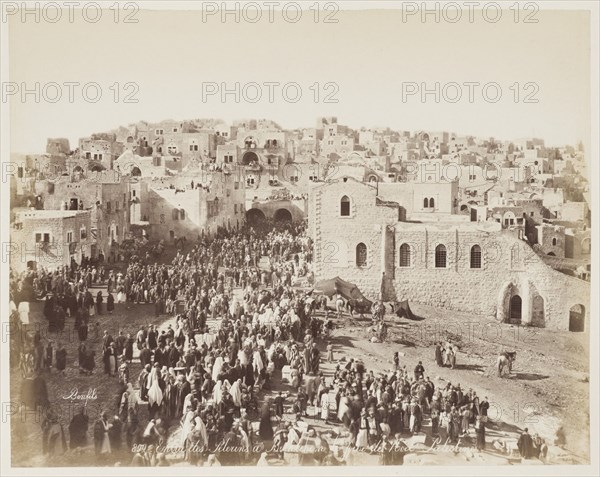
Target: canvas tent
x=346, y=289
x=402, y=309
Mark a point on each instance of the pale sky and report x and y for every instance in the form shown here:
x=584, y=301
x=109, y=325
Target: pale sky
x=367, y=54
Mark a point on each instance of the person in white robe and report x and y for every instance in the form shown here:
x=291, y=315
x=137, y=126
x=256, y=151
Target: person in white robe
x=24, y=312
x=155, y=394
x=216, y=370
x=187, y=424
x=343, y=408
x=258, y=362
x=217, y=392
x=201, y=427
x=362, y=439
x=293, y=437
x=236, y=393
x=325, y=407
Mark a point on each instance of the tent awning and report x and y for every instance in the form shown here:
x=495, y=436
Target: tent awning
x=338, y=286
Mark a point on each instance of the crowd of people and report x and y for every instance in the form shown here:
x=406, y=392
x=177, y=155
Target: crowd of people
x=212, y=376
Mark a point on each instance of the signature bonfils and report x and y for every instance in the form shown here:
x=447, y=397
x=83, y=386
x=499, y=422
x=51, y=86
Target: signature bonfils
x=75, y=395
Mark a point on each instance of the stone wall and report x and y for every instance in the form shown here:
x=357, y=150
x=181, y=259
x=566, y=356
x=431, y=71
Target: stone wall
x=64, y=238
x=175, y=213
x=509, y=266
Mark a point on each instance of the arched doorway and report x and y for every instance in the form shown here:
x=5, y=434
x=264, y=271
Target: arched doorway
x=577, y=318
x=249, y=157
x=135, y=171
x=255, y=216
x=537, y=312
x=515, y=309
x=282, y=215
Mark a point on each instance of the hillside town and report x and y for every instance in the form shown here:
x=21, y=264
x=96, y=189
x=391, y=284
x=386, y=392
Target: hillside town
x=199, y=292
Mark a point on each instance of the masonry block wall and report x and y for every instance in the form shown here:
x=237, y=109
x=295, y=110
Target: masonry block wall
x=506, y=266
x=61, y=232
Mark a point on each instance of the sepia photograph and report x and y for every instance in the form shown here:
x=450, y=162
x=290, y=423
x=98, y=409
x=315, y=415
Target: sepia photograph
x=347, y=235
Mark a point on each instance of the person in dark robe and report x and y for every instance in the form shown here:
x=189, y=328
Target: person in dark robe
x=49, y=308
x=61, y=358
x=145, y=355
x=170, y=399
x=265, y=429
x=128, y=351
x=110, y=360
x=438, y=355
x=34, y=392
x=110, y=303
x=174, y=355
x=107, y=339
x=120, y=343
x=82, y=331
x=115, y=434
x=82, y=357
x=480, y=431
x=525, y=445
x=419, y=371
x=483, y=407
x=53, y=435
x=307, y=359
x=279, y=400
x=435, y=416
x=182, y=391
x=78, y=430
x=161, y=356
x=99, y=300
x=227, y=409
x=143, y=382
x=315, y=359
x=152, y=338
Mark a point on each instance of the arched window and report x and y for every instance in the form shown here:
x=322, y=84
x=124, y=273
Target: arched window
x=586, y=245
x=175, y=214
x=475, y=256
x=181, y=214
x=440, y=256
x=431, y=203
x=405, y=255
x=425, y=203
x=554, y=241
x=345, y=206
x=361, y=255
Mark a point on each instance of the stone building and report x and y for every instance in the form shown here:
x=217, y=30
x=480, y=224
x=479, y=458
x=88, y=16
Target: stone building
x=100, y=149
x=450, y=263
x=106, y=197
x=49, y=238
x=173, y=209
x=228, y=154
x=551, y=240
